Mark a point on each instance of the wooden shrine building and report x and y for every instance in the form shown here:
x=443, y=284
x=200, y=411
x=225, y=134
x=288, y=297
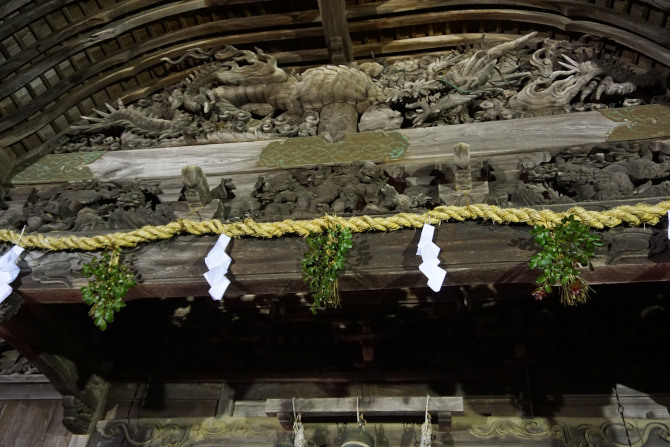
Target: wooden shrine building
x=154, y=127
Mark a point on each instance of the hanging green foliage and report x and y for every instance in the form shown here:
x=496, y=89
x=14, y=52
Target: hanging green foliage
x=565, y=247
x=322, y=264
x=105, y=293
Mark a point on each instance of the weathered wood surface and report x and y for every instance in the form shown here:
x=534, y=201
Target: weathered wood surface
x=572, y=9
x=26, y=128
x=26, y=387
x=661, y=4
x=59, y=355
x=649, y=48
x=161, y=400
x=433, y=144
x=7, y=160
x=11, y=6
x=398, y=6
x=370, y=406
x=32, y=423
x=425, y=43
x=255, y=395
x=336, y=30
x=97, y=36
x=364, y=51
x=472, y=253
x=637, y=403
x=26, y=17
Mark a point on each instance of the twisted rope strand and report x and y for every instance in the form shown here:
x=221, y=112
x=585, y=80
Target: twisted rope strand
x=633, y=215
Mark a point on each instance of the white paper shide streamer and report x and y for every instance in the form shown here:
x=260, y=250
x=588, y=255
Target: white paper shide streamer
x=428, y=251
x=9, y=271
x=218, y=263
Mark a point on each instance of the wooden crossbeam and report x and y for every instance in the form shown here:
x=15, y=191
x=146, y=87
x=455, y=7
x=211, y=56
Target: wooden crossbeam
x=434, y=144
x=473, y=254
x=369, y=406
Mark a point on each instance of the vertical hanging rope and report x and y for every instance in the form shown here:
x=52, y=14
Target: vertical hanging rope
x=24, y=229
x=360, y=418
x=620, y=409
x=298, y=429
x=426, y=428
x=358, y=415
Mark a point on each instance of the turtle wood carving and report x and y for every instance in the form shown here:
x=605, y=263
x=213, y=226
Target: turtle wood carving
x=314, y=90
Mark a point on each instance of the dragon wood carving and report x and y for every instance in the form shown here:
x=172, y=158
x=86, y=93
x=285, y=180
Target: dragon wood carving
x=240, y=95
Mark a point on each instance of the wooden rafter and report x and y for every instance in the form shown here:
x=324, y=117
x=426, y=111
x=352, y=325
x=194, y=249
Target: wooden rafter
x=336, y=31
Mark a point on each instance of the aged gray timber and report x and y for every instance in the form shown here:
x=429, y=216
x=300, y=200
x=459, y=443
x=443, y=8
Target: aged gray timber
x=568, y=8
x=336, y=30
x=426, y=145
x=31, y=423
x=95, y=36
x=647, y=47
x=370, y=406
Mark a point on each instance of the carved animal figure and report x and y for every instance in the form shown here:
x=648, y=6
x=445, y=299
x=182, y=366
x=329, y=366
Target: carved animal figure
x=137, y=122
x=240, y=95
x=316, y=88
x=561, y=76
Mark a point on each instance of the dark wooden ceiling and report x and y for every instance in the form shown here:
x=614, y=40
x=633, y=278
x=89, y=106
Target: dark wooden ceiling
x=60, y=58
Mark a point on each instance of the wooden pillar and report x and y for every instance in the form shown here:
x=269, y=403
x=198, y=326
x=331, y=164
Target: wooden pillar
x=51, y=347
x=7, y=161
x=336, y=31
x=226, y=404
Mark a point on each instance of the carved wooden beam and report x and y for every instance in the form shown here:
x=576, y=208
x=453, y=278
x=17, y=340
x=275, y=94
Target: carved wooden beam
x=473, y=253
x=336, y=30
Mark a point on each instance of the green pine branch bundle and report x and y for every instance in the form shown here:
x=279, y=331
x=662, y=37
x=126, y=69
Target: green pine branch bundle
x=112, y=281
x=322, y=264
x=564, y=249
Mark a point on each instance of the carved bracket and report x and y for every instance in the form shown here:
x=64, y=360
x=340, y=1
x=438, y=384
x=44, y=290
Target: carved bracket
x=10, y=307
